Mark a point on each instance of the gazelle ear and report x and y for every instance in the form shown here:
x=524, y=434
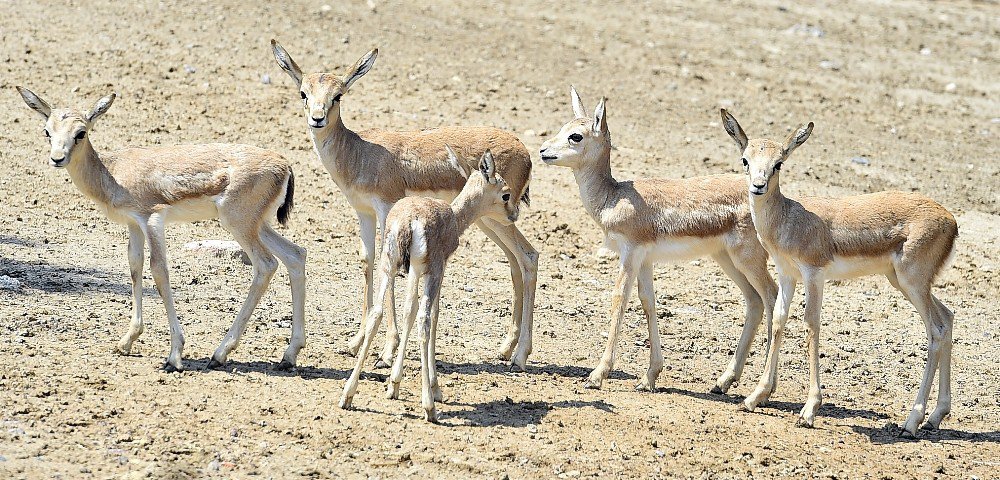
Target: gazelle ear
x=579, y=111
x=487, y=167
x=600, y=123
x=360, y=68
x=453, y=160
x=798, y=137
x=101, y=107
x=735, y=130
x=35, y=102
x=286, y=63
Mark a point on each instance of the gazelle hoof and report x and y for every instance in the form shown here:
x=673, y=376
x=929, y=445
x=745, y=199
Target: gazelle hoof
x=744, y=407
x=514, y=367
x=591, y=384
x=904, y=433
x=717, y=390
x=122, y=349
x=345, y=402
x=213, y=364
x=381, y=363
x=431, y=416
x=171, y=368
x=928, y=426
x=284, y=366
x=803, y=423
x=392, y=391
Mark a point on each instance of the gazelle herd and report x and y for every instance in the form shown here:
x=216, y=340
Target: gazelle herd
x=400, y=182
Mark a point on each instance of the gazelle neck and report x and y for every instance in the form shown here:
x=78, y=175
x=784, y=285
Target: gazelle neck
x=89, y=173
x=767, y=210
x=596, y=183
x=466, y=206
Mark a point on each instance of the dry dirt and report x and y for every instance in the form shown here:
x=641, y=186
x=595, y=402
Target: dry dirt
x=873, y=75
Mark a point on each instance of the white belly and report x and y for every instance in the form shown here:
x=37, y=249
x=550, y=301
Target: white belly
x=673, y=249
x=850, y=267
x=202, y=208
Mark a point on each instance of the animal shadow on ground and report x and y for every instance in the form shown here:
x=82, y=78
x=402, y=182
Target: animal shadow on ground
x=829, y=410
x=509, y=413
x=268, y=368
x=889, y=434
x=49, y=278
x=499, y=368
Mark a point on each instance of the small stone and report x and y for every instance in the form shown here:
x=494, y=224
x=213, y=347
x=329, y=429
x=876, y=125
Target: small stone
x=325, y=8
x=861, y=161
x=213, y=466
x=529, y=133
x=189, y=69
x=9, y=283
x=925, y=51
x=830, y=65
x=951, y=87
x=265, y=79
x=532, y=428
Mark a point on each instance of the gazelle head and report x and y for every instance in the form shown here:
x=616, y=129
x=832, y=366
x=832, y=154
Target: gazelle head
x=762, y=158
x=65, y=129
x=321, y=92
x=582, y=140
x=496, y=201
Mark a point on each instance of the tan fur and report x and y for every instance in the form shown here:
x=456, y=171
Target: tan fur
x=905, y=236
x=376, y=168
x=653, y=220
x=422, y=235
x=144, y=188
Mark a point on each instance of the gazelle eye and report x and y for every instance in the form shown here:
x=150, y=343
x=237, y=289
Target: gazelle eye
x=746, y=163
x=576, y=138
x=47, y=134
x=777, y=166
x=80, y=135
x=505, y=197
x=337, y=98
x=303, y=95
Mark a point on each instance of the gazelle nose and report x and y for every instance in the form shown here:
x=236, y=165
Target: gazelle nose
x=317, y=120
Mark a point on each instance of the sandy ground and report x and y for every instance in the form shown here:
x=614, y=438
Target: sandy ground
x=910, y=86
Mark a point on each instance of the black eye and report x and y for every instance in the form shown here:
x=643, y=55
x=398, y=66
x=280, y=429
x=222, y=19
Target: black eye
x=80, y=135
x=47, y=134
x=777, y=166
x=576, y=138
x=337, y=98
x=505, y=197
x=303, y=95
x=746, y=163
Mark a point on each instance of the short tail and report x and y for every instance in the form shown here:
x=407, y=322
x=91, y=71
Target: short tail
x=286, y=208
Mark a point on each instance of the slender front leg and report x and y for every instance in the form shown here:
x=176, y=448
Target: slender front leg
x=769, y=379
x=371, y=327
x=619, y=303
x=391, y=333
x=813, y=280
x=527, y=261
x=136, y=244
x=516, y=309
x=412, y=301
x=648, y=299
x=158, y=267
x=751, y=322
x=367, y=252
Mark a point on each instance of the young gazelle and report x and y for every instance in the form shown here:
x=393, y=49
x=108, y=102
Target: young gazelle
x=376, y=168
x=144, y=188
x=422, y=234
x=905, y=236
x=656, y=220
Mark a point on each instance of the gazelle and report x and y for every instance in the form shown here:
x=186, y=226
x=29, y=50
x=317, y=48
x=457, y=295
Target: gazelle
x=656, y=220
x=905, y=236
x=144, y=188
x=376, y=168
x=422, y=234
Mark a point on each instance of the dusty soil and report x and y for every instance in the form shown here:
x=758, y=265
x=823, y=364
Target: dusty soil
x=874, y=76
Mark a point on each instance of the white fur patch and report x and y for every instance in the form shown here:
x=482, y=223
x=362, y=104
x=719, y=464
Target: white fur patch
x=445, y=195
x=679, y=249
x=850, y=267
x=418, y=246
x=203, y=208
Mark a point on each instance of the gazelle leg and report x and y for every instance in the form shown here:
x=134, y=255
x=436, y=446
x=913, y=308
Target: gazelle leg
x=432, y=290
x=367, y=252
x=527, y=261
x=435, y=388
x=813, y=281
x=294, y=259
x=412, y=302
x=264, y=266
x=769, y=379
x=136, y=244
x=751, y=322
x=371, y=328
x=923, y=301
x=943, y=407
x=619, y=303
x=516, y=308
x=391, y=333
x=158, y=267
x=647, y=297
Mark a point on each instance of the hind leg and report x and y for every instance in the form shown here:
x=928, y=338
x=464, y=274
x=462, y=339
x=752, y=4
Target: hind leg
x=943, y=406
x=755, y=306
x=294, y=259
x=919, y=295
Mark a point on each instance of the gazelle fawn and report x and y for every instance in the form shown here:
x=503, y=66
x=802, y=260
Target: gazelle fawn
x=649, y=221
x=376, y=168
x=905, y=236
x=145, y=188
x=422, y=234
